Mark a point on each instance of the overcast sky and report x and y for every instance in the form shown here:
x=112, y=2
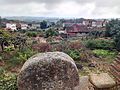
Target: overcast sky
x=61, y=8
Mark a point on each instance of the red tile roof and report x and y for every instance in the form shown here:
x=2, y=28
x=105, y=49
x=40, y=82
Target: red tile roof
x=77, y=28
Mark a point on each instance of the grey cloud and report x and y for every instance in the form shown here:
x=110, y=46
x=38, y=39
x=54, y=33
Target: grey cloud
x=51, y=4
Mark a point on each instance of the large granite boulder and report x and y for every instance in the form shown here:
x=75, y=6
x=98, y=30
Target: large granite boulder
x=49, y=71
x=102, y=81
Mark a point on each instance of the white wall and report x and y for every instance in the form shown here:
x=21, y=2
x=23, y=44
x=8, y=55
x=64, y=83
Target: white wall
x=11, y=26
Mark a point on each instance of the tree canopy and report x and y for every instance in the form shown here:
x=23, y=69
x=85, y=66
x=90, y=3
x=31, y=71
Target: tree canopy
x=43, y=25
x=113, y=31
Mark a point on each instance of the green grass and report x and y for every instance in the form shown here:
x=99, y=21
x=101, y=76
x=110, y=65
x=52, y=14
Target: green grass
x=104, y=53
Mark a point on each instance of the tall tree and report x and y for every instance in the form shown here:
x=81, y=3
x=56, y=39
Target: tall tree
x=4, y=39
x=113, y=31
x=43, y=25
x=112, y=28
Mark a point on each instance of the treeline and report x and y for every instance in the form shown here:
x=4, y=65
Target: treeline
x=113, y=31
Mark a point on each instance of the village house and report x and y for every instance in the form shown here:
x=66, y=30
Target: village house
x=82, y=27
x=99, y=23
x=88, y=22
x=62, y=32
x=32, y=26
x=24, y=26
x=94, y=24
x=75, y=29
x=11, y=26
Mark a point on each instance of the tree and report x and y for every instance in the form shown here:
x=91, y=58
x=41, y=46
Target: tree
x=96, y=34
x=112, y=28
x=117, y=41
x=43, y=25
x=4, y=39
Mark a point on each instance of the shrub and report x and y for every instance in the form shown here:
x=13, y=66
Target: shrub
x=100, y=44
x=8, y=49
x=50, y=33
x=42, y=47
x=62, y=46
x=66, y=46
x=74, y=54
x=21, y=56
x=8, y=82
x=31, y=34
x=104, y=53
x=76, y=45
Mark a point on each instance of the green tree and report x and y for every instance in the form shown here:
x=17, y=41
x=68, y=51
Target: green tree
x=4, y=39
x=117, y=41
x=43, y=25
x=112, y=28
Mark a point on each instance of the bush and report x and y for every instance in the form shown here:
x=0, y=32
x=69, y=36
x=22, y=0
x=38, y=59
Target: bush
x=21, y=56
x=66, y=46
x=8, y=82
x=62, y=47
x=8, y=49
x=42, y=47
x=50, y=33
x=74, y=54
x=76, y=45
x=104, y=53
x=100, y=44
x=31, y=34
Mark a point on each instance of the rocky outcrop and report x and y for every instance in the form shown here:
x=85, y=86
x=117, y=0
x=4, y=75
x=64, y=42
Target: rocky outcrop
x=102, y=81
x=49, y=71
x=115, y=69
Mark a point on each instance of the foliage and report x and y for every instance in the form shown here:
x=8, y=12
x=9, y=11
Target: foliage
x=8, y=81
x=19, y=41
x=74, y=54
x=43, y=25
x=117, y=41
x=31, y=34
x=50, y=33
x=8, y=49
x=104, y=53
x=112, y=28
x=4, y=38
x=76, y=45
x=42, y=47
x=62, y=46
x=100, y=44
x=96, y=34
x=21, y=56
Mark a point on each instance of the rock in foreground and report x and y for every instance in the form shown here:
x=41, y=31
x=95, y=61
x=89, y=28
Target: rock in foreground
x=49, y=71
x=102, y=80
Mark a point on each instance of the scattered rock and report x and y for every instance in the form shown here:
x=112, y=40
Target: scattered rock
x=79, y=66
x=49, y=71
x=84, y=83
x=91, y=65
x=102, y=80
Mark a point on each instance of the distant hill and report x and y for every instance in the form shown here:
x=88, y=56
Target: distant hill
x=31, y=19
